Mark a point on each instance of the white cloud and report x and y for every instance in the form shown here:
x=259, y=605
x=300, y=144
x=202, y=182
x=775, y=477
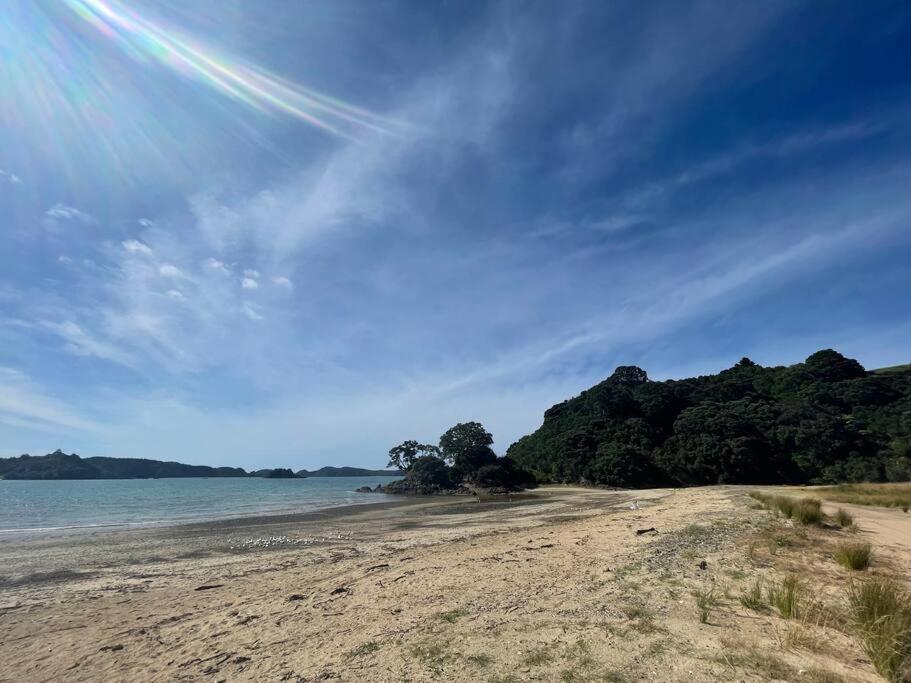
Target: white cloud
x=168, y=270
x=282, y=281
x=64, y=259
x=176, y=294
x=23, y=404
x=249, y=283
x=61, y=212
x=145, y=222
x=251, y=273
x=214, y=264
x=251, y=310
x=83, y=343
x=10, y=178
x=137, y=247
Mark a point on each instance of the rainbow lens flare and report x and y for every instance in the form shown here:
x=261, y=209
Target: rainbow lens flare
x=146, y=41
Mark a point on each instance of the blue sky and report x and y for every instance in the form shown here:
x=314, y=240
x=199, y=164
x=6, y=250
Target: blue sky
x=284, y=233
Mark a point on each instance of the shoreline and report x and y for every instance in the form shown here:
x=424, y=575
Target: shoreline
x=560, y=584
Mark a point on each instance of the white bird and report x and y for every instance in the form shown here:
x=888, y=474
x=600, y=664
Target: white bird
x=634, y=505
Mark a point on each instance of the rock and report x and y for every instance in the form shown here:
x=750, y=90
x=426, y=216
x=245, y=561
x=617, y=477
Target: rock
x=363, y=489
x=703, y=565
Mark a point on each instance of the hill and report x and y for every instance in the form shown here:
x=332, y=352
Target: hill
x=59, y=465
x=348, y=472
x=824, y=420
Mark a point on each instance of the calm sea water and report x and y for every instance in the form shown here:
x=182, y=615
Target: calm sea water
x=51, y=505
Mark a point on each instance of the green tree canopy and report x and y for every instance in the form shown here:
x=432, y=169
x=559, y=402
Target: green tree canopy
x=462, y=439
x=404, y=455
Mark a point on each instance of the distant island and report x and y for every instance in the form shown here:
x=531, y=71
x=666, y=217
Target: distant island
x=60, y=465
x=348, y=472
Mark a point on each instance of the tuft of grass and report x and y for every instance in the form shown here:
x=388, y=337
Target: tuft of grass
x=855, y=556
x=452, y=616
x=365, y=649
x=882, y=613
x=539, y=657
x=481, y=660
x=752, y=599
x=808, y=511
x=641, y=618
x=786, y=597
x=843, y=518
x=433, y=656
x=705, y=601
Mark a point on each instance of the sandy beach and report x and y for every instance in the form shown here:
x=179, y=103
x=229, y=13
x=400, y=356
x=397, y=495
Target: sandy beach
x=553, y=585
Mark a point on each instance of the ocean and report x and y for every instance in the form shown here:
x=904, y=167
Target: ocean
x=36, y=506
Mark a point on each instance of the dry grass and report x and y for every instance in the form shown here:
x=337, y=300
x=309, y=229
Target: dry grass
x=882, y=614
x=882, y=495
x=843, y=518
x=853, y=555
x=806, y=511
x=752, y=599
x=786, y=596
x=705, y=601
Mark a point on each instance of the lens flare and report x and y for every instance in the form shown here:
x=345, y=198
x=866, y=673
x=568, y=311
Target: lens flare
x=146, y=41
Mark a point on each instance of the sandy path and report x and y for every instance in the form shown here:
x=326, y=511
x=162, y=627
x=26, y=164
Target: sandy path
x=558, y=587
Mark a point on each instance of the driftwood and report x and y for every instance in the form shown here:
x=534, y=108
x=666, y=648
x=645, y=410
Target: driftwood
x=209, y=587
x=639, y=532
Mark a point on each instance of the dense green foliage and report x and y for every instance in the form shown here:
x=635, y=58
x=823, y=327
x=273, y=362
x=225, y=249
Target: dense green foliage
x=403, y=456
x=59, y=465
x=463, y=459
x=824, y=420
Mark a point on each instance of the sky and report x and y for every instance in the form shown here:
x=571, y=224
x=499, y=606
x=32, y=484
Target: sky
x=286, y=233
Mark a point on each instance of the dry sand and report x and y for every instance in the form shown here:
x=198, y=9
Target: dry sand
x=551, y=586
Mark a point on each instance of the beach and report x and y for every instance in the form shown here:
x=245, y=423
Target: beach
x=555, y=584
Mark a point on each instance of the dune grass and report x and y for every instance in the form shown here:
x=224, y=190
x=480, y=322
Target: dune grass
x=752, y=599
x=853, y=555
x=882, y=613
x=786, y=596
x=881, y=495
x=705, y=601
x=843, y=518
x=807, y=511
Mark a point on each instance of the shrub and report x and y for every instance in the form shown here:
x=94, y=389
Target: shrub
x=855, y=556
x=785, y=597
x=808, y=511
x=882, y=613
x=843, y=518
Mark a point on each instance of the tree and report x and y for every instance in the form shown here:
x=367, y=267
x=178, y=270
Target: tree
x=429, y=472
x=404, y=455
x=629, y=375
x=461, y=440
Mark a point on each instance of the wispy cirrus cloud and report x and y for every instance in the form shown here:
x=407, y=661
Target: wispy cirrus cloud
x=24, y=404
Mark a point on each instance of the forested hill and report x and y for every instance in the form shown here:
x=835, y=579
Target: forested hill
x=824, y=420
x=59, y=465
x=348, y=472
